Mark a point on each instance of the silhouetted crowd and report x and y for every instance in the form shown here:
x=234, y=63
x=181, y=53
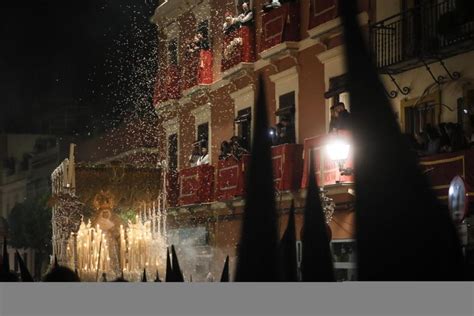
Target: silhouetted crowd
x=232, y=148
x=444, y=138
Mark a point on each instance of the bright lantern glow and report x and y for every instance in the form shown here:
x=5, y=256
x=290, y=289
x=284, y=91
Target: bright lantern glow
x=338, y=150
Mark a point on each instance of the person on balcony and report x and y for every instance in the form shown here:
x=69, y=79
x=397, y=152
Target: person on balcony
x=434, y=140
x=457, y=138
x=231, y=24
x=226, y=150
x=202, y=42
x=272, y=4
x=204, y=158
x=194, y=157
x=198, y=43
x=342, y=117
x=246, y=17
x=284, y=132
x=237, y=149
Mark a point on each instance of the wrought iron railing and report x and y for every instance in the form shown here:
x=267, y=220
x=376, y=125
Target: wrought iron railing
x=426, y=32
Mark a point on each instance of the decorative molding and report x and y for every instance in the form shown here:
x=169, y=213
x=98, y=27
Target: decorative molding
x=235, y=71
x=330, y=54
x=280, y=51
x=261, y=63
x=307, y=43
x=171, y=126
x=218, y=84
x=202, y=114
x=184, y=100
x=334, y=26
x=196, y=89
x=162, y=107
x=284, y=76
x=244, y=97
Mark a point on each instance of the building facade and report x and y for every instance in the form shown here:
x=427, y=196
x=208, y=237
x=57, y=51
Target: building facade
x=27, y=161
x=207, y=95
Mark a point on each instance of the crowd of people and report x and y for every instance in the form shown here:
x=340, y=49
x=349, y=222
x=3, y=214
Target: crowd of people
x=245, y=18
x=199, y=42
x=444, y=138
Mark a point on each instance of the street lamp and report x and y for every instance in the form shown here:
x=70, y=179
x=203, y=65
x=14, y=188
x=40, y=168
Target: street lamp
x=458, y=203
x=338, y=151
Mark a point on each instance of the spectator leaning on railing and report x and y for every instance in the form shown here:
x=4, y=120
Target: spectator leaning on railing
x=246, y=17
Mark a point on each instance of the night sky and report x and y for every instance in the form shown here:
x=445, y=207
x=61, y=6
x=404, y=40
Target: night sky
x=98, y=55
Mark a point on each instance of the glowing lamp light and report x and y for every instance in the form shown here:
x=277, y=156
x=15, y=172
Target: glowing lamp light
x=338, y=150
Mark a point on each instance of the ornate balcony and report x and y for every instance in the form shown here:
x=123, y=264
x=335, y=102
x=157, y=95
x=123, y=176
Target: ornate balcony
x=280, y=25
x=231, y=178
x=287, y=166
x=326, y=169
x=238, y=47
x=423, y=34
x=322, y=11
x=196, y=185
x=442, y=168
x=168, y=84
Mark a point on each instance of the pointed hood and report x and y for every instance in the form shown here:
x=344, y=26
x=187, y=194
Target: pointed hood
x=289, y=268
x=157, y=278
x=258, y=251
x=399, y=220
x=144, y=279
x=121, y=278
x=178, y=274
x=24, y=272
x=169, y=277
x=225, y=271
x=317, y=263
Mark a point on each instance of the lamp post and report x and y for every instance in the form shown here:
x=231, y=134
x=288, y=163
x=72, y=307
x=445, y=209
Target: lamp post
x=338, y=150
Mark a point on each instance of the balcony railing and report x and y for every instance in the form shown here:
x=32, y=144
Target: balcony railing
x=442, y=168
x=239, y=46
x=424, y=33
x=168, y=84
x=326, y=170
x=280, y=25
